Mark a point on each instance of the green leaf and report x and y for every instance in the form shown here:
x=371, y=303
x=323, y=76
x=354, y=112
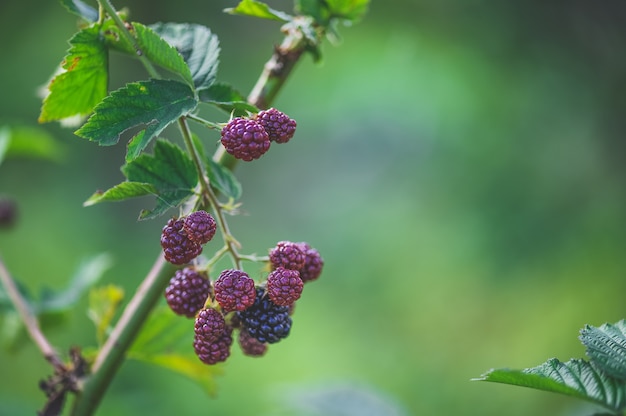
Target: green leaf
x=606, y=347
x=198, y=47
x=223, y=179
x=83, y=81
x=103, y=303
x=352, y=10
x=317, y=9
x=148, y=105
x=88, y=273
x=165, y=340
x=81, y=9
x=576, y=378
x=120, y=192
x=152, y=46
x=225, y=97
x=29, y=142
x=258, y=9
x=170, y=171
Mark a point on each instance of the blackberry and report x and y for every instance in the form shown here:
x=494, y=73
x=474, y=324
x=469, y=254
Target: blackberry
x=213, y=352
x=187, y=292
x=277, y=124
x=199, y=226
x=234, y=290
x=313, y=263
x=250, y=346
x=177, y=247
x=245, y=139
x=284, y=286
x=288, y=255
x=210, y=325
x=264, y=320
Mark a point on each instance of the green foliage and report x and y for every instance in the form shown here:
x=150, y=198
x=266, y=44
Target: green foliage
x=148, y=105
x=83, y=81
x=223, y=180
x=103, y=303
x=600, y=380
x=21, y=141
x=226, y=98
x=323, y=11
x=258, y=9
x=81, y=9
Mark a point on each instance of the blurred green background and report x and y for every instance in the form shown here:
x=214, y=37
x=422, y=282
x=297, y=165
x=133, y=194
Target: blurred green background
x=459, y=165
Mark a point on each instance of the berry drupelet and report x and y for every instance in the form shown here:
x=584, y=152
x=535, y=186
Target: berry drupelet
x=277, y=124
x=234, y=290
x=200, y=226
x=177, y=247
x=288, y=255
x=210, y=325
x=213, y=352
x=284, y=286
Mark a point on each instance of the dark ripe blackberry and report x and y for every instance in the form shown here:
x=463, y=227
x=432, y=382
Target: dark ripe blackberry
x=284, y=286
x=288, y=255
x=187, y=292
x=200, y=226
x=210, y=325
x=313, y=263
x=245, y=139
x=278, y=125
x=213, y=352
x=177, y=247
x=234, y=290
x=264, y=320
x=250, y=346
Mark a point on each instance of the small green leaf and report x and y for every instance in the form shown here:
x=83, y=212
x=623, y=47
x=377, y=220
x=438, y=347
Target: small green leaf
x=103, y=303
x=83, y=81
x=120, y=192
x=352, y=10
x=228, y=99
x=258, y=9
x=170, y=171
x=150, y=105
x=81, y=9
x=88, y=273
x=152, y=46
x=576, y=378
x=165, y=340
x=606, y=347
x=223, y=179
x=317, y=9
x=198, y=47
x=29, y=142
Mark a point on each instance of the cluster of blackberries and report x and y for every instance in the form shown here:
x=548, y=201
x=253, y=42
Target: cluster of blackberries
x=249, y=138
x=182, y=238
x=260, y=312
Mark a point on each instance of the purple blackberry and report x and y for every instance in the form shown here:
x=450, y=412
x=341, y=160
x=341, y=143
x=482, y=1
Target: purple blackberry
x=187, y=292
x=199, y=226
x=210, y=325
x=245, y=139
x=213, y=352
x=313, y=263
x=288, y=255
x=251, y=346
x=277, y=124
x=284, y=286
x=177, y=247
x=264, y=320
x=234, y=290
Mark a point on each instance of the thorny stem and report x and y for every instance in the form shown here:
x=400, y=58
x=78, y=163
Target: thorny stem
x=112, y=354
x=30, y=320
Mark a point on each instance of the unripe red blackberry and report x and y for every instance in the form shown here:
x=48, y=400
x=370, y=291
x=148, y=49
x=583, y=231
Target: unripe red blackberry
x=288, y=255
x=278, y=125
x=234, y=290
x=200, y=226
x=209, y=325
x=245, y=139
x=177, y=247
x=264, y=320
x=313, y=263
x=187, y=292
x=213, y=352
x=284, y=286
x=250, y=346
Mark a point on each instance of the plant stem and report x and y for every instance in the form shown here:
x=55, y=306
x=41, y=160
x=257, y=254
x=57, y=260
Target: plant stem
x=30, y=320
x=111, y=356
